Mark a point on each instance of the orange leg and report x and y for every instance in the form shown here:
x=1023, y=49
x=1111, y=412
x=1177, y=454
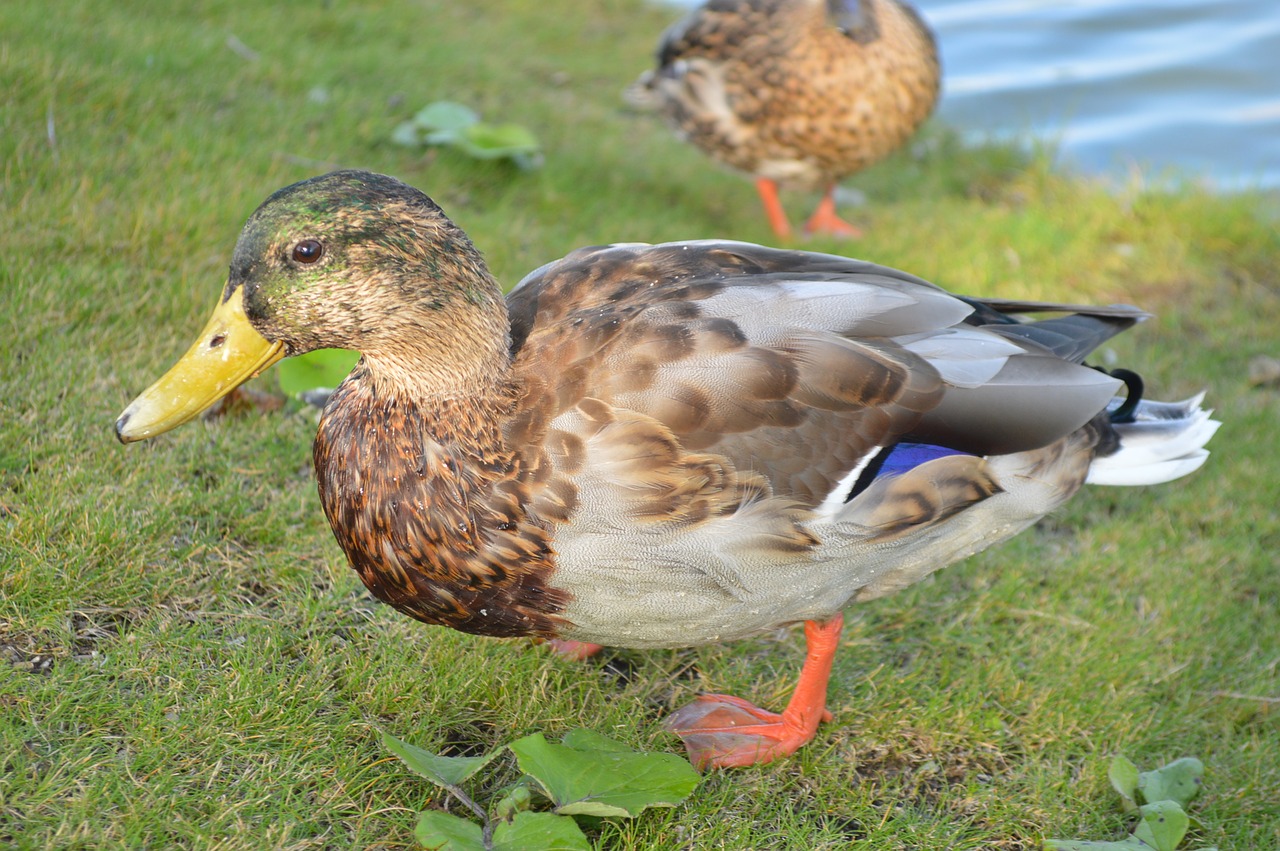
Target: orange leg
x=721, y=731
x=575, y=651
x=773, y=207
x=825, y=221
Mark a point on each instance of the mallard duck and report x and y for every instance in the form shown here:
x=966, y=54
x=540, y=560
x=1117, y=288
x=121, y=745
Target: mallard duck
x=662, y=445
x=795, y=92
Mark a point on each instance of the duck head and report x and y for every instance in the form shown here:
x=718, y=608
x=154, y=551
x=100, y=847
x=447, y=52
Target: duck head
x=351, y=260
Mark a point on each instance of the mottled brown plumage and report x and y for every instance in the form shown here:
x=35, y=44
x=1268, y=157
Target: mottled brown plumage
x=428, y=504
x=663, y=445
x=800, y=93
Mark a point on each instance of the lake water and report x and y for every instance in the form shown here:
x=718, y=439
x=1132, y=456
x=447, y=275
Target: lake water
x=1186, y=88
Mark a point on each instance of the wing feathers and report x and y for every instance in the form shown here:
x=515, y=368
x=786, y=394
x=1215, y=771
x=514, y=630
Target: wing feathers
x=792, y=364
x=1030, y=403
x=921, y=497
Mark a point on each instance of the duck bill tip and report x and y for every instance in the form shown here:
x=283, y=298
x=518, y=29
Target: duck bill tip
x=227, y=353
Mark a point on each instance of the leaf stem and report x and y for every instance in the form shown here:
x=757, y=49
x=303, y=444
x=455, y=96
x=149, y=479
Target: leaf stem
x=486, y=832
x=456, y=791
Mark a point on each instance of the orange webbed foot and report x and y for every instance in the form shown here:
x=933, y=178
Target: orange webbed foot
x=574, y=651
x=721, y=731
x=826, y=222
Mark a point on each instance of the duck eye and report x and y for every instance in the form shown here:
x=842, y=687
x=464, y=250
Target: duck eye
x=308, y=251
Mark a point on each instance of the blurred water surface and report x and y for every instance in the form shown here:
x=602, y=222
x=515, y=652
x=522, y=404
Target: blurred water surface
x=1177, y=88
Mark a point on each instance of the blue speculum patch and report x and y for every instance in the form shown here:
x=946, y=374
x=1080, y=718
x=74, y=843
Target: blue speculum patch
x=898, y=459
x=908, y=456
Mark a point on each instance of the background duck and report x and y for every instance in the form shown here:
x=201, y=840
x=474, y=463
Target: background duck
x=661, y=445
x=795, y=92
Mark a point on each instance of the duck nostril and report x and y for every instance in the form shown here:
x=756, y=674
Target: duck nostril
x=217, y=340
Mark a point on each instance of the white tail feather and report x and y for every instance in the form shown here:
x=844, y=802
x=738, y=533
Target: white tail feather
x=1164, y=442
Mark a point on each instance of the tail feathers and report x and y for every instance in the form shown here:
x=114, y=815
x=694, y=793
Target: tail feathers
x=1164, y=442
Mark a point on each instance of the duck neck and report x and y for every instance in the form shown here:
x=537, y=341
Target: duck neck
x=430, y=352
x=424, y=378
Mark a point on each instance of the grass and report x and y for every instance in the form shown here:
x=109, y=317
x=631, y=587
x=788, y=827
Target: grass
x=211, y=675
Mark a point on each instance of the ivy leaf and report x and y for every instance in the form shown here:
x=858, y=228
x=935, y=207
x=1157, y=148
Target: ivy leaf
x=591, y=775
x=1162, y=826
x=1162, y=823
x=441, y=831
x=543, y=831
x=442, y=770
x=408, y=134
x=1178, y=781
x=445, y=119
x=582, y=739
x=448, y=123
x=321, y=369
x=1124, y=779
x=527, y=160
x=1130, y=843
x=500, y=141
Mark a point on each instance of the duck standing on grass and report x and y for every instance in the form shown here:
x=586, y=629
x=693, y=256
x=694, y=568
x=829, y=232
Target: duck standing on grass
x=661, y=445
x=795, y=92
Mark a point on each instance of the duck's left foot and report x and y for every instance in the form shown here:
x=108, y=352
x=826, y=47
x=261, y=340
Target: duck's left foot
x=721, y=731
x=575, y=651
x=826, y=222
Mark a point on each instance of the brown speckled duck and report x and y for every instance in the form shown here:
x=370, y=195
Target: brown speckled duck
x=795, y=92
x=661, y=445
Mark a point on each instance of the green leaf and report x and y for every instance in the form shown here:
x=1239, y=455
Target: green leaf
x=446, y=832
x=604, y=778
x=1178, y=781
x=541, y=831
x=442, y=770
x=323, y=368
x=408, y=134
x=498, y=140
x=1162, y=826
x=449, y=123
x=504, y=141
x=528, y=160
x=582, y=739
x=1127, y=844
x=1124, y=779
x=443, y=137
x=445, y=115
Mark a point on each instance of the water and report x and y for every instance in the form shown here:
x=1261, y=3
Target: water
x=1176, y=88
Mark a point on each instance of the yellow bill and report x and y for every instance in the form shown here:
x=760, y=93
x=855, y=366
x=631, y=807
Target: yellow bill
x=226, y=354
